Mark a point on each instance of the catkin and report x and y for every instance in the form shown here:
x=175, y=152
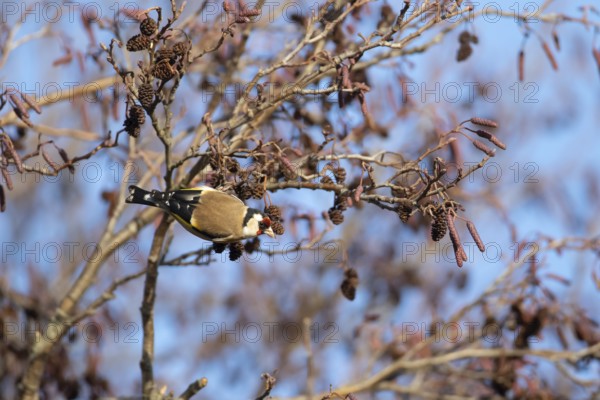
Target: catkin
x=475, y=236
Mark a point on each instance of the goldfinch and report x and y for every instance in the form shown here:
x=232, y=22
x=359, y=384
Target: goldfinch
x=206, y=212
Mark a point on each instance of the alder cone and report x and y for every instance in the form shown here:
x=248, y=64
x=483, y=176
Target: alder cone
x=273, y=212
x=146, y=95
x=148, y=27
x=439, y=228
x=404, y=213
x=349, y=284
x=277, y=228
x=179, y=49
x=219, y=247
x=138, y=43
x=163, y=70
x=236, y=250
x=336, y=216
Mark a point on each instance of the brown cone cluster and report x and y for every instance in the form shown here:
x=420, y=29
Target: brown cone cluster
x=180, y=49
x=138, y=43
x=219, y=247
x=146, y=95
x=134, y=121
x=167, y=60
x=349, y=284
x=336, y=216
x=252, y=245
x=404, y=212
x=163, y=70
x=277, y=228
x=440, y=225
x=465, y=50
x=148, y=27
x=340, y=204
x=275, y=214
x=339, y=175
x=236, y=249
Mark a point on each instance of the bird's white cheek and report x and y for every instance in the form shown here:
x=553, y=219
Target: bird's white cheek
x=248, y=232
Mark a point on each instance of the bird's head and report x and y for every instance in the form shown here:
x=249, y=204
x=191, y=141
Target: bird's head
x=256, y=223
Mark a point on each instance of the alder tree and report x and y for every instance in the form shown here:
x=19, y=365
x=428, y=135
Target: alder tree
x=380, y=282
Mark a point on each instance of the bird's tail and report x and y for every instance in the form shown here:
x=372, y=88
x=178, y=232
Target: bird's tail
x=138, y=195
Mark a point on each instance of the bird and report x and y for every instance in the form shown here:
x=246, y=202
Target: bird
x=207, y=212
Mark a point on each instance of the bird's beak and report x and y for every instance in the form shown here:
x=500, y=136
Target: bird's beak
x=269, y=232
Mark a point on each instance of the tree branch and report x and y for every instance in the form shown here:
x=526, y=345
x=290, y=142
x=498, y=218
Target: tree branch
x=147, y=308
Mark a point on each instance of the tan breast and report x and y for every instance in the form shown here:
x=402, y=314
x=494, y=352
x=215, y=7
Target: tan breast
x=224, y=219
